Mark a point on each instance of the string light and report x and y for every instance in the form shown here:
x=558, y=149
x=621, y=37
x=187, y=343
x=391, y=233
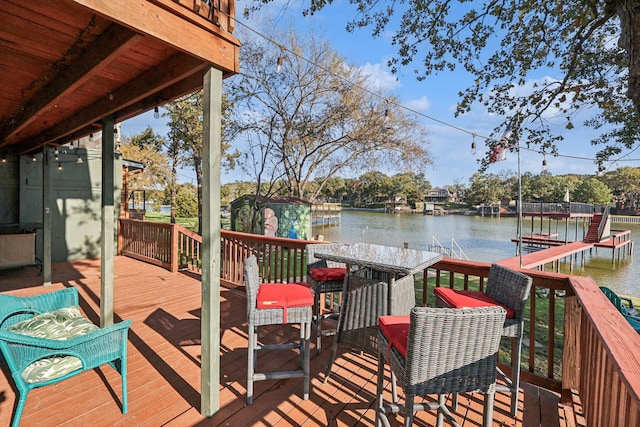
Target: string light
x=279, y=64
x=4, y=159
x=59, y=166
x=473, y=144
x=33, y=158
x=156, y=112
x=56, y=154
x=79, y=160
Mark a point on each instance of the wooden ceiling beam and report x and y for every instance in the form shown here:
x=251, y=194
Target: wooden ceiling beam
x=185, y=87
x=98, y=55
x=163, y=20
x=148, y=84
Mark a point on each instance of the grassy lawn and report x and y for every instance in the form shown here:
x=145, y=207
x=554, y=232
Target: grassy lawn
x=190, y=223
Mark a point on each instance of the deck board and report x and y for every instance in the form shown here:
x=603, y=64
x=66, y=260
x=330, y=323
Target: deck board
x=164, y=365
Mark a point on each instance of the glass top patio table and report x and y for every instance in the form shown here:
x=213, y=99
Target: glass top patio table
x=400, y=261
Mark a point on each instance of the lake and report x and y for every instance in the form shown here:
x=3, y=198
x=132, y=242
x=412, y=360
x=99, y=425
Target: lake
x=483, y=239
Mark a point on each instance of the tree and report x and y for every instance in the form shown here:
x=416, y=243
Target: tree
x=625, y=184
x=185, y=135
x=593, y=190
x=303, y=125
x=593, y=47
x=485, y=188
x=142, y=148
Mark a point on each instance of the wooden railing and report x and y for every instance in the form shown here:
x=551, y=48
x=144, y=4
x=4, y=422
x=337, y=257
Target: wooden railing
x=584, y=348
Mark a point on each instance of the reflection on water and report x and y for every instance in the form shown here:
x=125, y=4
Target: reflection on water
x=484, y=239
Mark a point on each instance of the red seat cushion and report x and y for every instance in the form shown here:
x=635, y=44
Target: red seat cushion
x=396, y=329
x=327, y=274
x=469, y=299
x=278, y=295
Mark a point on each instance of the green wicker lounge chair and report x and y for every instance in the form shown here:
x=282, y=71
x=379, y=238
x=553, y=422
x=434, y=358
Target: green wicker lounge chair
x=44, y=339
x=628, y=311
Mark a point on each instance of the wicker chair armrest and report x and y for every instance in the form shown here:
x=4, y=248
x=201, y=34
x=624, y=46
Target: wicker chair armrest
x=317, y=264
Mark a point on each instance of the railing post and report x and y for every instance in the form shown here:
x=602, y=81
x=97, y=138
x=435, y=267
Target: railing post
x=173, y=248
x=571, y=348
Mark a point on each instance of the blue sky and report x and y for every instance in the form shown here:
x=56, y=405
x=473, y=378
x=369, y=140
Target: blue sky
x=434, y=97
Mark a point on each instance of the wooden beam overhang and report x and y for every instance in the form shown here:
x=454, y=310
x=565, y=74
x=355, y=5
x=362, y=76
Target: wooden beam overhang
x=180, y=75
x=164, y=20
x=112, y=41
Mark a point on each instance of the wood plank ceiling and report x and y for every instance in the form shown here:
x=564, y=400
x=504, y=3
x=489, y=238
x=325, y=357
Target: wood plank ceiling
x=66, y=64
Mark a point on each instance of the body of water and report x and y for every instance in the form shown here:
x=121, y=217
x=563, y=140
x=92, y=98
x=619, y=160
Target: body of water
x=485, y=239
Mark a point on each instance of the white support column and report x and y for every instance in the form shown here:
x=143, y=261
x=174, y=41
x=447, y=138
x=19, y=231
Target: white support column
x=211, y=143
x=108, y=223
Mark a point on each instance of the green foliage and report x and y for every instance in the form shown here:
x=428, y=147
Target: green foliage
x=589, y=47
x=593, y=191
x=186, y=201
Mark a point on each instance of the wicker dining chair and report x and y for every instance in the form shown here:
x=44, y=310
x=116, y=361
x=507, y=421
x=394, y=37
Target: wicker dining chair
x=323, y=279
x=365, y=301
x=439, y=351
x=509, y=289
x=274, y=304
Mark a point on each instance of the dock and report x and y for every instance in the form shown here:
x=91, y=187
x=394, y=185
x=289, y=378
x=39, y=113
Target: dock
x=546, y=248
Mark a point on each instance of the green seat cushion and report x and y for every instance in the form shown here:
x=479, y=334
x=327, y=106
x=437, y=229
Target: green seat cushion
x=62, y=324
x=50, y=368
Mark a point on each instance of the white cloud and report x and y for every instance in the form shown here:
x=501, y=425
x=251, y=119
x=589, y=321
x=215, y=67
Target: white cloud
x=379, y=76
x=420, y=104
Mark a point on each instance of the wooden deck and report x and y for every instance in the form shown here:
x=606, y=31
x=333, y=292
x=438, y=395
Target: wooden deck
x=545, y=256
x=164, y=366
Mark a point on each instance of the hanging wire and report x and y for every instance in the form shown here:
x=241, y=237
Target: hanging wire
x=418, y=113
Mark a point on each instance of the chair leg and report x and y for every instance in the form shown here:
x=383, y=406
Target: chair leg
x=318, y=320
x=123, y=374
x=515, y=374
x=332, y=358
x=488, y=409
x=305, y=350
x=381, y=416
x=251, y=356
x=19, y=408
x=409, y=400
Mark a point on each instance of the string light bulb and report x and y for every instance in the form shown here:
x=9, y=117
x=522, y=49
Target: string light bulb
x=79, y=160
x=473, y=144
x=56, y=154
x=544, y=165
x=59, y=166
x=279, y=64
x=156, y=112
x=4, y=159
x=33, y=158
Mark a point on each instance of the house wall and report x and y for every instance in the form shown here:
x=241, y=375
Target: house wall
x=76, y=192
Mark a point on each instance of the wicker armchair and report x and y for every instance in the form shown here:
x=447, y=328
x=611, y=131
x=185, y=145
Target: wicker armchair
x=424, y=352
x=44, y=339
x=364, y=302
x=290, y=304
x=322, y=279
x=509, y=289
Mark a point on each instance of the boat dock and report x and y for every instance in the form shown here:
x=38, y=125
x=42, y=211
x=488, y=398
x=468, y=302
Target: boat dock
x=545, y=247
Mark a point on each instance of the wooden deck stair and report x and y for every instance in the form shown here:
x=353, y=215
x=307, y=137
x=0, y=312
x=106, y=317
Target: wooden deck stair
x=592, y=234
